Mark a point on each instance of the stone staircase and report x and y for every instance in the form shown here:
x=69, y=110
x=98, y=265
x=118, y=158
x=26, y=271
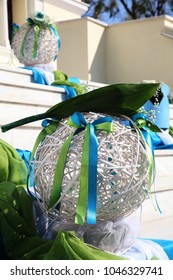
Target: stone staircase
x=20, y=97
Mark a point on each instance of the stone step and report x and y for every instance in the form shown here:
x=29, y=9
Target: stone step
x=20, y=97
x=30, y=93
x=19, y=74
x=157, y=223
x=163, y=170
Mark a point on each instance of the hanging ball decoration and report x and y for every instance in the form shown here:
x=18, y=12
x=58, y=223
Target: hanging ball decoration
x=122, y=170
x=36, y=41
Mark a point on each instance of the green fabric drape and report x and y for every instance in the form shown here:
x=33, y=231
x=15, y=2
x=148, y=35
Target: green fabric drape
x=12, y=166
x=61, y=79
x=21, y=240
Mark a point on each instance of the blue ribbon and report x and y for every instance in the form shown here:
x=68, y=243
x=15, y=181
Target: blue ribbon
x=37, y=75
x=92, y=180
x=70, y=91
x=57, y=37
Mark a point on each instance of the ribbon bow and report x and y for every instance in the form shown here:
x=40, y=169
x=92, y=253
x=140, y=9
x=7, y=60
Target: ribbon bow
x=87, y=199
x=147, y=128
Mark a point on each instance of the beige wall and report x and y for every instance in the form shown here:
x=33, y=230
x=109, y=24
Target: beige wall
x=96, y=33
x=83, y=49
x=137, y=51
x=127, y=52
x=131, y=51
x=62, y=10
x=73, y=56
x=57, y=13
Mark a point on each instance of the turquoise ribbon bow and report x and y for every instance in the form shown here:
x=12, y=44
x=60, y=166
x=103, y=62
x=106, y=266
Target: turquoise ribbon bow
x=87, y=200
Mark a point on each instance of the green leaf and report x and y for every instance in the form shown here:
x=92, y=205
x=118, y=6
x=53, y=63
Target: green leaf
x=114, y=99
x=171, y=130
x=153, y=127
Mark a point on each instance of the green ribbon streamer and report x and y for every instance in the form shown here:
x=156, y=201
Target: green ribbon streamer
x=59, y=172
x=84, y=172
x=145, y=127
x=144, y=130
x=36, y=38
x=23, y=42
x=37, y=32
x=47, y=130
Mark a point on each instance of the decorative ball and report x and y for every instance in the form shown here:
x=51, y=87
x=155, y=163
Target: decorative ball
x=47, y=46
x=122, y=170
x=36, y=41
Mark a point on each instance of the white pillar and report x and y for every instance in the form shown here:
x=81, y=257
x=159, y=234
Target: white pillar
x=4, y=40
x=33, y=6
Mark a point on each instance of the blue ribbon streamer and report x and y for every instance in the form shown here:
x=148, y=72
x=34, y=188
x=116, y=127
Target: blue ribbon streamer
x=70, y=91
x=92, y=184
x=149, y=138
x=57, y=37
x=37, y=75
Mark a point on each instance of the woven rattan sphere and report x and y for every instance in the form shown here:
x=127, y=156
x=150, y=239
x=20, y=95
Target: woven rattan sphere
x=122, y=170
x=47, y=46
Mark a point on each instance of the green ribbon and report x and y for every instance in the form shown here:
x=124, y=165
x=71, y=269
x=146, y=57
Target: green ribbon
x=37, y=32
x=36, y=39
x=50, y=125
x=23, y=41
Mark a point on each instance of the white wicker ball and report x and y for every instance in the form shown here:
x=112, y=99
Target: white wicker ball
x=122, y=171
x=47, y=46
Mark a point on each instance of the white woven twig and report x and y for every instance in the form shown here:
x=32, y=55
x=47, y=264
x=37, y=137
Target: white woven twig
x=122, y=175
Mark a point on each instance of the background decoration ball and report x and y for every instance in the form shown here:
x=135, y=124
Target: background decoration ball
x=122, y=170
x=36, y=41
